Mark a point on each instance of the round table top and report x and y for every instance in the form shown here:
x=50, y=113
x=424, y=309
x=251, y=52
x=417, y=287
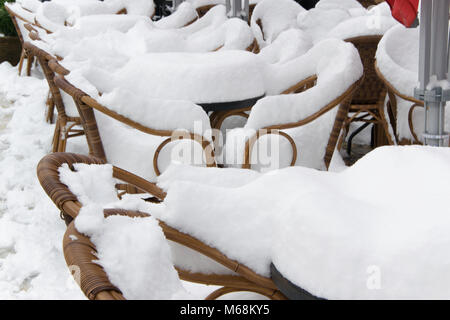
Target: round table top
x=215, y=80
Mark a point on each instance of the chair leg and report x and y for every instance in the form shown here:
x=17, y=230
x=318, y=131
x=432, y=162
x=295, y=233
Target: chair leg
x=30, y=61
x=56, y=136
x=50, y=108
x=22, y=58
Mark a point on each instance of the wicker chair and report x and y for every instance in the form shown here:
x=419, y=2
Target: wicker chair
x=86, y=106
x=393, y=94
x=258, y=23
x=17, y=15
x=342, y=103
x=281, y=114
x=94, y=281
x=67, y=125
x=367, y=105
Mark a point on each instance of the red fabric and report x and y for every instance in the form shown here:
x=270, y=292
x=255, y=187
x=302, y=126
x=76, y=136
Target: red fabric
x=405, y=11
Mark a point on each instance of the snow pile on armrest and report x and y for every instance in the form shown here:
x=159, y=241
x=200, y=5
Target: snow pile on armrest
x=134, y=252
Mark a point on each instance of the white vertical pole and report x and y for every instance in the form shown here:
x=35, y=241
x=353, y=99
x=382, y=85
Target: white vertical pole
x=434, y=118
x=247, y=10
x=228, y=6
x=425, y=43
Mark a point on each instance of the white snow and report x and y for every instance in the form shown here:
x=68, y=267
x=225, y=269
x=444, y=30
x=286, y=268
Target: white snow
x=371, y=239
x=275, y=17
x=32, y=264
x=325, y=231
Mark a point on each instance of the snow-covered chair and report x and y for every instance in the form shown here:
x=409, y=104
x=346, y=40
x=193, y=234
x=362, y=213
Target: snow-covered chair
x=400, y=74
x=367, y=106
x=125, y=129
x=21, y=16
x=301, y=128
x=237, y=220
x=55, y=15
x=68, y=122
x=271, y=17
x=208, y=266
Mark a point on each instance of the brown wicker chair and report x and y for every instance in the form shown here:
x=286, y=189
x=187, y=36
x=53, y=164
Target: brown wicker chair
x=86, y=106
x=367, y=105
x=334, y=141
x=80, y=252
x=393, y=94
x=66, y=126
x=18, y=21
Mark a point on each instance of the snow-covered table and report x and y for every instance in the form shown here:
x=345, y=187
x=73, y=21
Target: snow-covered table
x=220, y=82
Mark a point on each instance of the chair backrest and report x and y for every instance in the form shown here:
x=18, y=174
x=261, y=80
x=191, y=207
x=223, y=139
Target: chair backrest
x=271, y=17
x=337, y=67
x=86, y=114
x=19, y=19
x=372, y=88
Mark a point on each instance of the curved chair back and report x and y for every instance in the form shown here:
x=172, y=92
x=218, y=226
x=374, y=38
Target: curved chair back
x=371, y=89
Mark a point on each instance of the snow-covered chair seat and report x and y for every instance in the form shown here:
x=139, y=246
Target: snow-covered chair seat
x=300, y=128
x=289, y=45
x=271, y=17
x=131, y=128
x=400, y=75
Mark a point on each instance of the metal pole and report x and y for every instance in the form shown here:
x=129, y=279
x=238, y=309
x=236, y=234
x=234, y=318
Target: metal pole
x=425, y=43
x=434, y=123
x=247, y=10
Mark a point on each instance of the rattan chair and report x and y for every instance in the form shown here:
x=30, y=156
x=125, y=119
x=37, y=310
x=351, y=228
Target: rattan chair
x=86, y=106
x=21, y=17
x=393, y=95
x=68, y=125
x=367, y=105
x=80, y=251
x=342, y=103
x=259, y=21
x=284, y=114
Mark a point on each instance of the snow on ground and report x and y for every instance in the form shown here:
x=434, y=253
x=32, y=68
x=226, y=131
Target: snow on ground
x=32, y=264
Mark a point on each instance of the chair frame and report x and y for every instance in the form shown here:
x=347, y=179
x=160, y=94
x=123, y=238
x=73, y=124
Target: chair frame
x=66, y=127
x=80, y=252
x=24, y=54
